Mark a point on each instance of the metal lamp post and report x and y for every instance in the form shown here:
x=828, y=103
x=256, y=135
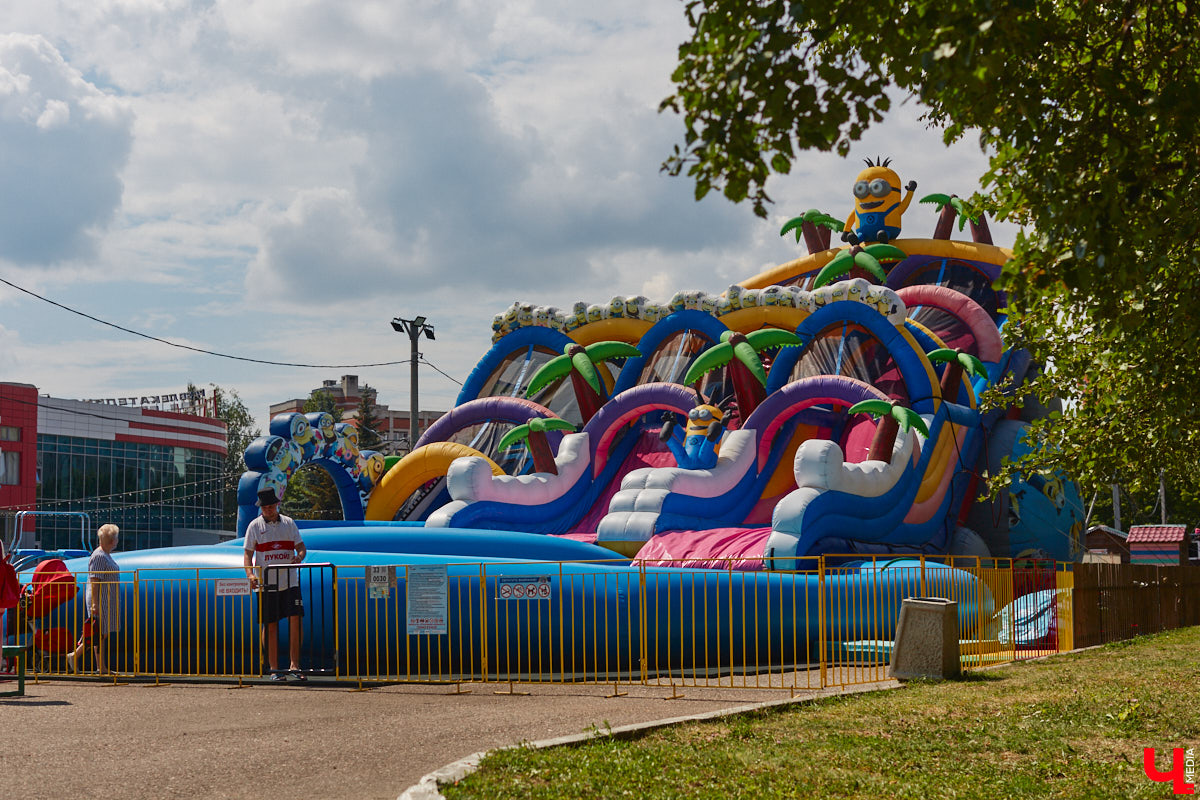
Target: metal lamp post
x=414, y=328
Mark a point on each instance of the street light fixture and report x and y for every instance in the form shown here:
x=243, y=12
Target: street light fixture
x=414, y=328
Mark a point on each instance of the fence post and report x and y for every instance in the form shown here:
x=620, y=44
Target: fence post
x=483, y=622
x=642, y=616
x=821, y=618
x=137, y=621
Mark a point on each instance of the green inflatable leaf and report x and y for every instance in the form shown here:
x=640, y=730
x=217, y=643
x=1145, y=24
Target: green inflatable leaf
x=603, y=351
x=512, y=437
x=584, y=366
x=910, y=419
x=714, y=357
x=876, y=408
x=552, y=370
x=793, y=224
x=970, y=364
x=840, y=264
x=886, y=252
x=746, y=354
x=766, y=338
x=865, y=260
x=547, y=424
x=938, y=200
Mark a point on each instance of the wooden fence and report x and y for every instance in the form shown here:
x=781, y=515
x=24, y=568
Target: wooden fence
x=1120, y=601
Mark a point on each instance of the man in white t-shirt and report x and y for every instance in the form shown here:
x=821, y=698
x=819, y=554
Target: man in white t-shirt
x=271, y=540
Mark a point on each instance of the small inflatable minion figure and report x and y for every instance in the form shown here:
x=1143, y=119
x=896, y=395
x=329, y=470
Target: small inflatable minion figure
x=734, y=293
x=697, y=446
x=373, y=468
x=878, y=205
x=324, y=433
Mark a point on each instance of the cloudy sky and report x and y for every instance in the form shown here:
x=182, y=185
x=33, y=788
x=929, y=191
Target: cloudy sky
x=278, y=179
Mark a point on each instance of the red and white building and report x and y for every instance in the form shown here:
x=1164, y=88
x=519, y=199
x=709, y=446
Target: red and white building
x=150, y=471
x=347, y=394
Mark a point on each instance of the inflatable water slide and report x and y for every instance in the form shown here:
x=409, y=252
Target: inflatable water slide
x=829, y=406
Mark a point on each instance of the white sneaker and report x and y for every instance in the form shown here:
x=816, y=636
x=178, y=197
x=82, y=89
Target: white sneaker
x=71, y=665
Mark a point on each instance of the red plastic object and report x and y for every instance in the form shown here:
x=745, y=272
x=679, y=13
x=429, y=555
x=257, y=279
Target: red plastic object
x=52, y=585
x=10, y=587
x=53, y=640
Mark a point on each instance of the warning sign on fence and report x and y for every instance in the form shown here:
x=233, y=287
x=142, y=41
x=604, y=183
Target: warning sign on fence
x=233, y=587
x=523, y=587
x=427, y=598
x=380, y=581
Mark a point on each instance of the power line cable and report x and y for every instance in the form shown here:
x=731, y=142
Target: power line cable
x=199, y=349
x=426, y=361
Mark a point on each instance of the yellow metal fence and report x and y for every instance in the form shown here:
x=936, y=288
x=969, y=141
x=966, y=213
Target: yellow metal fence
x=574, y=623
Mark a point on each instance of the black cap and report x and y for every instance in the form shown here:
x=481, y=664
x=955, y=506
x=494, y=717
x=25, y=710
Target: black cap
x=267, y=497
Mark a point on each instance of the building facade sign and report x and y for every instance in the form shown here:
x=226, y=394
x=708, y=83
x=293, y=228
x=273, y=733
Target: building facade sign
x=194, y=396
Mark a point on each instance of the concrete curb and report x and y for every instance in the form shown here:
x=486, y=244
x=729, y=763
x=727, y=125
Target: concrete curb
x=427, y=787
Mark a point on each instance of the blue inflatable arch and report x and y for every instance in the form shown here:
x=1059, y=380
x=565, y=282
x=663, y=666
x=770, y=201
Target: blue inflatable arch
x=913, y=366
x=505, y=348
x=297, y=440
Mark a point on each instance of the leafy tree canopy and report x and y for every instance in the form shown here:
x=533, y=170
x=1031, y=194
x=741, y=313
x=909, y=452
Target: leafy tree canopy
x=1088, y=111
x=240, y=431
x=366, y=417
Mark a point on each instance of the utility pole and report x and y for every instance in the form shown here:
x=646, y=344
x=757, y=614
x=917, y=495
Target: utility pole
x=1162, y=494
x=1116, y=507
x=414, y=328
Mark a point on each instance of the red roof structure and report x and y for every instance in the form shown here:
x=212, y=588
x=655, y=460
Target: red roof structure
x=1162, y=545
x=1157, y=533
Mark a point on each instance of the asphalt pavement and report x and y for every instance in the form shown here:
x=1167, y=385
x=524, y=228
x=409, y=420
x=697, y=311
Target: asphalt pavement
x=82, y=737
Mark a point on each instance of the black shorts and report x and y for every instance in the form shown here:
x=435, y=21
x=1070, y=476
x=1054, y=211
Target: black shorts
x=278, y=604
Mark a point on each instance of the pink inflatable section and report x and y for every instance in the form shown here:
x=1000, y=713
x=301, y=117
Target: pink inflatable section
x=718, y=548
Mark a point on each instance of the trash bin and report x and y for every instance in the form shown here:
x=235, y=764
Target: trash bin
x=926, y=640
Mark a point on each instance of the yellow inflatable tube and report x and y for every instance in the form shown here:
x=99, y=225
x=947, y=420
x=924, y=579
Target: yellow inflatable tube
x=936, y=248
x=414, y=470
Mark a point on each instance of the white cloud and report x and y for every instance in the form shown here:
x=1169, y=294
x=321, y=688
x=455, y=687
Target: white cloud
x=65, y=144
x=365, y=39
x=297, y=172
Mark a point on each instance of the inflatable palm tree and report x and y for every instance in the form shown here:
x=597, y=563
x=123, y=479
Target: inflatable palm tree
x=746, y=371
x=956, y=362
x=815, y=226
x=950, y=206
x=893, y=418
x=865, y=259
x=580, y=363
x=533, y=433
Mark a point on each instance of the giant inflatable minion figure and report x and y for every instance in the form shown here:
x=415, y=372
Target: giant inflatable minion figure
x=877, y=204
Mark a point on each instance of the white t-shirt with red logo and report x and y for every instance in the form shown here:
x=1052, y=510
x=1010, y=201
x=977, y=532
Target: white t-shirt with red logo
x=274, y=543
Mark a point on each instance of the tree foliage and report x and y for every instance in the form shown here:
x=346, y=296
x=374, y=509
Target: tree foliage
x=1088, y=112
x=240, y=431
x=367, y=419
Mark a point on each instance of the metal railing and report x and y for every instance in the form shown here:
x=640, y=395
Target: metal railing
x=569, y=622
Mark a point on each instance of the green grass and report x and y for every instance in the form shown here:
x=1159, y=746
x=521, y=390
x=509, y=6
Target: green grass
x=1072, y=726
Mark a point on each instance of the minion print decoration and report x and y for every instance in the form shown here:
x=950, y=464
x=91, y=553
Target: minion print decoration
x=695, y=447
x=877, y=204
